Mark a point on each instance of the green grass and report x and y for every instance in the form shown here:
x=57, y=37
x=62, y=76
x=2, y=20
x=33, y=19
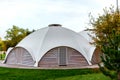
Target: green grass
x=40, y=74
x=98, y=76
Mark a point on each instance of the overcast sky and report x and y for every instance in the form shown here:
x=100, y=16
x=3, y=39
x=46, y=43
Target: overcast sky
x=36, y=14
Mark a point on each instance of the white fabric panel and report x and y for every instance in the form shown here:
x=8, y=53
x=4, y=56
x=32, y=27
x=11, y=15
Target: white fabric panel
x=63, y=37
x=11, y=59
x=43, y=40
x=20, y=56
x=88, y=36
x=33, y=42
x=27, y=59
x=9, y=49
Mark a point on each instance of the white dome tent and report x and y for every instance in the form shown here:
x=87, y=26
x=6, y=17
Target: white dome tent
x=52, y=46
x=97, y=53
x=87, y=35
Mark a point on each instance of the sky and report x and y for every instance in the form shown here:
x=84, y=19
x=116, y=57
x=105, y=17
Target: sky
x=36, y=14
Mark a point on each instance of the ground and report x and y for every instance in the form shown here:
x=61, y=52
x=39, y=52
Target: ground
x=62, y=67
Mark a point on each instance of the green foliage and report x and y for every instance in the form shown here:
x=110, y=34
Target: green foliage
x=2, y=56
x=104, y=25
x=2, y=45
x=14, y=35
x=107, y=30
x=50, y=74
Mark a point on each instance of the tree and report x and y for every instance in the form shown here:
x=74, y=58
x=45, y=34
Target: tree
x=107, y=30
x=14, y=35
x=2, y=45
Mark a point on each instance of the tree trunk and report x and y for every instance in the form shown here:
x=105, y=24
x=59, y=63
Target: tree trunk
x=118, y=75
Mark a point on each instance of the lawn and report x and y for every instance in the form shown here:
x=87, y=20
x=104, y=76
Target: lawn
x=98, y=76
x=42, y=74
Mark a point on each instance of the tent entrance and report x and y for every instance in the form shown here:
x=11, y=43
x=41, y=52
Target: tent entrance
x=62, y=56
x=19, y=56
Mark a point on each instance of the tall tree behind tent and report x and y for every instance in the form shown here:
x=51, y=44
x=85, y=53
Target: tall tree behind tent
x=107, y=30
x=14, y=35
x=2, y=45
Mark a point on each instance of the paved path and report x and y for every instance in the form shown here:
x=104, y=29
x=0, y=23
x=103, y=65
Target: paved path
x=62, y=67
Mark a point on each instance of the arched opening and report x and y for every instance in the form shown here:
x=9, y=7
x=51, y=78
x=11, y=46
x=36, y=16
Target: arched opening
x=96, y=56
x=19, y=56
x=63, y=56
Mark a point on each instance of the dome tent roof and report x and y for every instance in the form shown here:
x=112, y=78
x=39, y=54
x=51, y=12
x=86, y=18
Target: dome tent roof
x=87, y=35
x=43, y=40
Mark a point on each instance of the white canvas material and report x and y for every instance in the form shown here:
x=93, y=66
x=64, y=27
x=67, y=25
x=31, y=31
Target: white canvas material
x=19, y=56
x=87, y=35
x=41, y=41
